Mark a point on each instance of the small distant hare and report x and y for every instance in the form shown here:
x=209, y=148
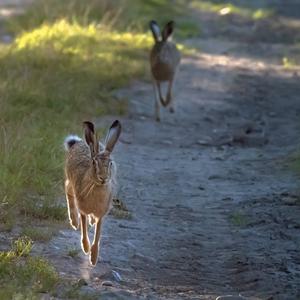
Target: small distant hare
x=164, y=61
x=90, y=182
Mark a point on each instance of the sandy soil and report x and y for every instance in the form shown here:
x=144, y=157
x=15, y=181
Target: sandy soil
x=215, y=210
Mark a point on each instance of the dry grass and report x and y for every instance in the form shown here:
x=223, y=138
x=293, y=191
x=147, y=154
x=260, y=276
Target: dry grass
x=23, y=276
x=62, y=69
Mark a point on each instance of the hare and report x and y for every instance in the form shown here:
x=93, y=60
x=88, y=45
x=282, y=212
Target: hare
x=90, y=179
x=164, y=61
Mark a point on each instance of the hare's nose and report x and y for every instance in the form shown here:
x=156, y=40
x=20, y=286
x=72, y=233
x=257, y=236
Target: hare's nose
x=101, y=179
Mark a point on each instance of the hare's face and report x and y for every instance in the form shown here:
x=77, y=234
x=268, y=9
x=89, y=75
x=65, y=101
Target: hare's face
x=100, y=154
x=102, y=167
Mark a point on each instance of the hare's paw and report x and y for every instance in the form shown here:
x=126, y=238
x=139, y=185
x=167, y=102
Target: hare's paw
x=92, y=220
x=157, y=114
x=94, y=254
x=74, y=219
x=85, y=245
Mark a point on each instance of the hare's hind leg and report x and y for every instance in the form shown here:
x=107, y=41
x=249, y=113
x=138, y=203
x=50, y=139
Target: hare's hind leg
x=169, y=98
x=95, y=246
x=156, y=99
x=161, y=98
x=72, y=208
x=85, y=242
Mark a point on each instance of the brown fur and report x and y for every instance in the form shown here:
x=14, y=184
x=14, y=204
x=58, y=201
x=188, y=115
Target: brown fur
x=86, y=194
x=164, y=61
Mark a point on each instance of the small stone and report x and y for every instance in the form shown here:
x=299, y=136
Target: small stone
x=231, y=297
x=203, y=142
x=87, y=292
x=116, y=275
x=212, y=177
x=82, y=282
x=227, y=199
x=44, y=296
x=107, y=283
x=285, y=194
x=289, y=200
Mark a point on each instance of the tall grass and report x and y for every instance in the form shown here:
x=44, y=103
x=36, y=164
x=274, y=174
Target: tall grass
x=132, y=15
x=67, y=60
x=52, y=78
x=23, y=276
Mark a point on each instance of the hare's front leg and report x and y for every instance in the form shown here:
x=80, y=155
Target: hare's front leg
x=169, y=98
x=85, y=242
x=156, y=99
x=95, y=246
x=72, y=208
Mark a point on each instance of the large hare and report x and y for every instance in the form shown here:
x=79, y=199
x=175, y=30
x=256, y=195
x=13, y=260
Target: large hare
x=90, y=182
x=164, y=61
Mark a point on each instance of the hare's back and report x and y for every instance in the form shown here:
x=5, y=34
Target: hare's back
x=164, y=59
x=78, y=159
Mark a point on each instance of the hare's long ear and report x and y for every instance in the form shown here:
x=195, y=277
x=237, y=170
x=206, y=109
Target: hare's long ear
x=112, y=136
x=89, y=133
x=168, y=30
x=155, y=30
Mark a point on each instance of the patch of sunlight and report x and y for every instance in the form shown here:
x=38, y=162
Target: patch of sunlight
x=8, y=12
x=225, y=11
x=61, y=30
x=262, y=14
x=289, y=62
x=226, y=8
x=75, y=39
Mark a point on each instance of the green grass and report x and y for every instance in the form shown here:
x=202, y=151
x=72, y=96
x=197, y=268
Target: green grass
x=225, y=7
x=120, y=210
x=134, y=15
x=43, y=208
x=23, y=276
x=74, y=291
x=73, y=252
x=63, y=68
x=239, y=219
x=22, y=246
x=41, y=234
x=293, y=162
x=290, y=62
x=52, y=79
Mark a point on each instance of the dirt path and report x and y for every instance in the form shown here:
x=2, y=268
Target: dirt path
x=211, y=220
x=214, y=210
x=9, y=8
